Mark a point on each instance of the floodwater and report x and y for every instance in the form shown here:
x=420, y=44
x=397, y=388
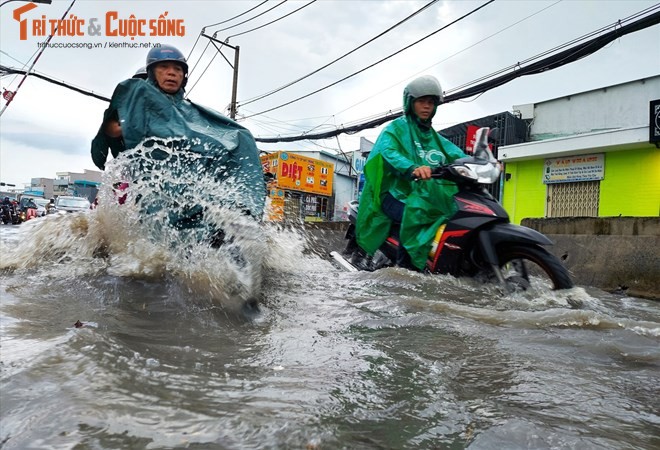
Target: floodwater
x=168, y=357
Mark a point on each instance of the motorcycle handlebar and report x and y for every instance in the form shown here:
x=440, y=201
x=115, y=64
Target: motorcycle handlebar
x=438, y=172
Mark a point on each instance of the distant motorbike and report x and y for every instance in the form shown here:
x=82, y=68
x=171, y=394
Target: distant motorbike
x=478, y=241
x=10, y=214
x=28, y=213
x=27, y=209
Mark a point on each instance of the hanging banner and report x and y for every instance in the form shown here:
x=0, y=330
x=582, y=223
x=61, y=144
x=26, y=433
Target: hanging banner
x=574, y=168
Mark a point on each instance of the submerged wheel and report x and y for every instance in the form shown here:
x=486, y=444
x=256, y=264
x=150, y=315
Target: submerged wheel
x=521, y=265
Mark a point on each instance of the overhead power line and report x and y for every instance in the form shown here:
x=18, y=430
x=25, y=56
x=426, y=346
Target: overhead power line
x=447, y=58
x=376, y=63
x=12, y=71
x=215, y=33
x=267, y=94
x=238, y=34
x=570, y=55
x=213, y=25
x=236, y=16
x=41, y=51
x=567, y=56
x=272, y=21
x=190, y=72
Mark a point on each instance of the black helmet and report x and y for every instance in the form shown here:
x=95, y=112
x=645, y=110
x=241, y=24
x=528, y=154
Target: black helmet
x=166, y=53
x=141, y=73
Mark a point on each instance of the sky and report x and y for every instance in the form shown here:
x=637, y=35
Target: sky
x=48, y=128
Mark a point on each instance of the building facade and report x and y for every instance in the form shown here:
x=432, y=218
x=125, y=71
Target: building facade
x=77, y=184
x=299, y=187
x=44, y=186
x=301, y=202
x=589, y=154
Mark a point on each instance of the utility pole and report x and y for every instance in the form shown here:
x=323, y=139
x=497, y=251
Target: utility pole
x=234, y=87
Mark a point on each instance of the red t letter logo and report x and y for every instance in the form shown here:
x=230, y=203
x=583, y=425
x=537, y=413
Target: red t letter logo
x=23, y=23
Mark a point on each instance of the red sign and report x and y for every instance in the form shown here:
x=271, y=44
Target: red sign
x=8, y=95
x=471, y=138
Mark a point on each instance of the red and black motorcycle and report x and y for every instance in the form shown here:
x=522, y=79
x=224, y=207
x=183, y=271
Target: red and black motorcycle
x=478, y=241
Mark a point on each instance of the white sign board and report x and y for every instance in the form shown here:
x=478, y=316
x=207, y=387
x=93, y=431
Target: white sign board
x=571, y=169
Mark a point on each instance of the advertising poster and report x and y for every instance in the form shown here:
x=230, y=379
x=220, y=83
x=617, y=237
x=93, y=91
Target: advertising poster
x=275, y=205
x=300, y=173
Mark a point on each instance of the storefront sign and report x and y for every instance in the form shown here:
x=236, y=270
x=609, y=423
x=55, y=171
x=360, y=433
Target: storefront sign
x=300, y=173
x=574, y=168
x=275, y=205
x=358, y=162
x=311, y=205
x=654, y=122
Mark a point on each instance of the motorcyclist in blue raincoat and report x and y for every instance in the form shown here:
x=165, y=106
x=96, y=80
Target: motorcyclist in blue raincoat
x=154, y=110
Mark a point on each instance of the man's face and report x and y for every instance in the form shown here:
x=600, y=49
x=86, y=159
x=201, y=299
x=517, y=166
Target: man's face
x=423, y=106
x=169, y=76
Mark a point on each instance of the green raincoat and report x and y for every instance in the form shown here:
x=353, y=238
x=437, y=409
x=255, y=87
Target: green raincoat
x=226, y=148
x=400, y=148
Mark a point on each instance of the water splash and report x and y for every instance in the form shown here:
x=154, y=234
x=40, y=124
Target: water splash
x=170, y=220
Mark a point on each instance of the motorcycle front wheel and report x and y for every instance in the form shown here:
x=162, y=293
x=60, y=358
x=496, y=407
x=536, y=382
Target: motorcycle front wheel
x=522, y=266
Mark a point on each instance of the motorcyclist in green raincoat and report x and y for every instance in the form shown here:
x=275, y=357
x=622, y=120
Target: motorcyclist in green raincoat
x=398, y=185
x=196, y=138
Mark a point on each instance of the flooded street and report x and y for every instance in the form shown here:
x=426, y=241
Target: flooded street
x=166, y=357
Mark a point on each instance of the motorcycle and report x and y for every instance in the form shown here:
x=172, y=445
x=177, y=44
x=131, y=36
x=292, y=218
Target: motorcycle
x=28, y=213
x=478, y=241
x=10, y=214
x=27, y=210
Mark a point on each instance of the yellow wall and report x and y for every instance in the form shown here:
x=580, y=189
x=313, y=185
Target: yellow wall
x=631, y=186
x=524, y=194
x=632, y=183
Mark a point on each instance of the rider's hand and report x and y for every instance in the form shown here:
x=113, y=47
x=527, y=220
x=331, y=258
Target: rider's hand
x=422, y=173
x=113, y=129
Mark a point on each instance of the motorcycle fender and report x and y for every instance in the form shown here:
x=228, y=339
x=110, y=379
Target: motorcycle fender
x=507, y=232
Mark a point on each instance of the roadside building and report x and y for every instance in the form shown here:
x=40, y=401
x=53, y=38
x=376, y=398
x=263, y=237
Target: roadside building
x=300, y=187
x=294, y=198
x=78, y=184
x=512, y=129
x=358, y=161
x=43, y=186
x=591, y=154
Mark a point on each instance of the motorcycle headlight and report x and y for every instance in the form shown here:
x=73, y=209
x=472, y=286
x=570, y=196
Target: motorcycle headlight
x=466, y=172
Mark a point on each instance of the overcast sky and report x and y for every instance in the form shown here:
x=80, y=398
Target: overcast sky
x=48, y=129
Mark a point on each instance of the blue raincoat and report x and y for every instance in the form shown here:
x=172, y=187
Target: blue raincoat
x=220, y=147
